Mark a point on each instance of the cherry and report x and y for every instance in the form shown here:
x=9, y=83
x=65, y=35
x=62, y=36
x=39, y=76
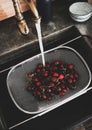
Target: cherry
x=71, y=76
x=41, y=88
x=57, y=62
x=38, y=83
x=44, y=96
x=59, y=89
x=38, y=93
x=45, y=74
x=53, y=79
x=52, y=84
x=47, y=65
x=36, y=79
x=40, y=66
x=62, y=93
x=69, y=80
x=55, y=74
x=61, y=76
x=71, y=66
x=65, y=90
x=38, y=70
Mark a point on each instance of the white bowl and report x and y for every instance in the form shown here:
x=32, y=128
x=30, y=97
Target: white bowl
x=80, y=11
x=80, y=19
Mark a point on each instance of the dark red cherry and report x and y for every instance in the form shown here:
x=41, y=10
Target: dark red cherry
x=62, y=93
x=69, y=80
x=47, y=65
x=57, y=62
x=38, y=83
x=38, y=70
x=71, y=66
x=45, y=74
x=55, y=74
x=71, y=76
x=43, y=96
x=53, y=79
x=52, y=84
x=40, y=66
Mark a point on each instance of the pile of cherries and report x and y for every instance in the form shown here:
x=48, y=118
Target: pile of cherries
x=52, y=79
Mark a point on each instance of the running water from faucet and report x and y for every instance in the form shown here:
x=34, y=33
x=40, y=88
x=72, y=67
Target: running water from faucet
x=38, y=28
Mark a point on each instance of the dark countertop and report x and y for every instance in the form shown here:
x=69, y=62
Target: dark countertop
x=12, y=42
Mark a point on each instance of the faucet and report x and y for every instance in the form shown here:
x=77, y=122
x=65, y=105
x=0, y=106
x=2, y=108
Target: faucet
x=45, y=12
x=22, y=25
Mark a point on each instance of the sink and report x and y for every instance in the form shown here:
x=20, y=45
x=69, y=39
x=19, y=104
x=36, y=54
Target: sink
x=63, y=116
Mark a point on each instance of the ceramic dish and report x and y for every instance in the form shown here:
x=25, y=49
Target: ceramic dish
x=80, y=11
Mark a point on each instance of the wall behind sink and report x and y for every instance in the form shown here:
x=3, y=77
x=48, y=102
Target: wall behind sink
x=7, y=9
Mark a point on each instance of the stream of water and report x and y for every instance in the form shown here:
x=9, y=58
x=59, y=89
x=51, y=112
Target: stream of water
x=38, y=28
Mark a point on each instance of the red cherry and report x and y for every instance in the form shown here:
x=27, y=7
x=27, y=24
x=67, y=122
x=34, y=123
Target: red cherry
x=45, y=74
x=71, y=66
x=47, y=65
x=69, y=80
x=56, y=74
x=65, y=90
x=44, y=96
x=36, y=79
x=41, y=88
x=71, y=76
x=61, y=76
x=59, y=89
x=40, y=66
x=53, y=79
x=57, y=62
x=38, y=93
x=38, y=70
x=61, y=93
x=52, y=84
x=38, y=83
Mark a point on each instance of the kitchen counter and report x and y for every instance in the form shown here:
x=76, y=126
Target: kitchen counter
x=13, y=43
